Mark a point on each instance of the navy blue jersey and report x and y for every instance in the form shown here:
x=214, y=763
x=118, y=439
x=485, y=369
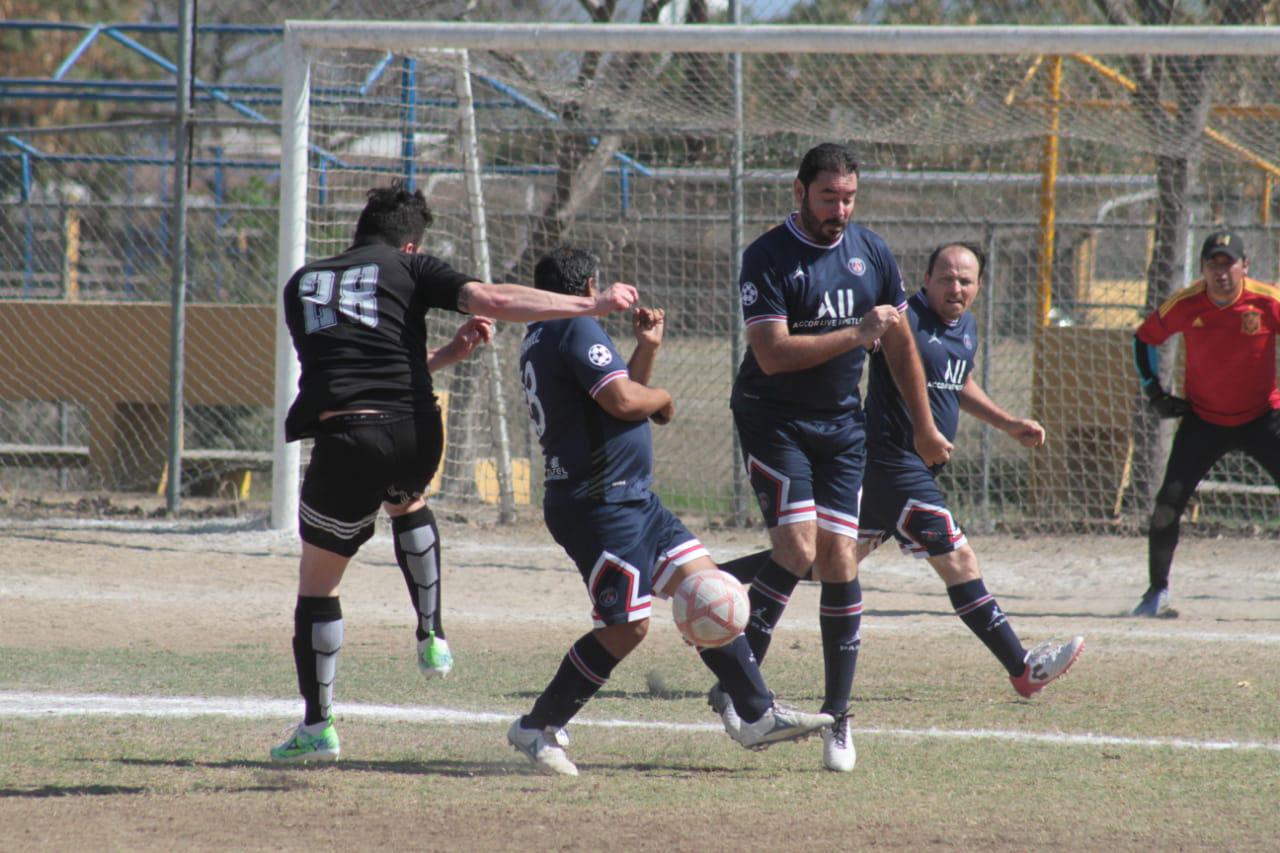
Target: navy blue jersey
x=946, y=351
x=358, y=323
x=814, y=289
x=590, y=455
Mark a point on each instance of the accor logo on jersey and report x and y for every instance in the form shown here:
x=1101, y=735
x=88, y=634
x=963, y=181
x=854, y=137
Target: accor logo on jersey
x=843, y=306
x=952, y=376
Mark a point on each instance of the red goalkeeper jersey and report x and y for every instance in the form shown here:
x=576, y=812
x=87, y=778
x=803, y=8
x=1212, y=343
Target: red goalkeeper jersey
x=1230, y=351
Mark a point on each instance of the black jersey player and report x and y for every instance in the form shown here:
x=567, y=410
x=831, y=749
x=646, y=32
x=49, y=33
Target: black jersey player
x=591, y=412
x=358, y=323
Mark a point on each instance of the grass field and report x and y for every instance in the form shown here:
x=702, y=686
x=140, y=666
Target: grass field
x=145, y=673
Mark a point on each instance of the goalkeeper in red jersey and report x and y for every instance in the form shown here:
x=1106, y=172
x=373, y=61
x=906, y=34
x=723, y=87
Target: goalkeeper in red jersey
x=1229, y=324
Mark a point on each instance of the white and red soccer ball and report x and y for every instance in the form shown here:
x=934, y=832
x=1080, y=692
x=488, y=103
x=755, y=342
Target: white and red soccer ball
x=710, y=608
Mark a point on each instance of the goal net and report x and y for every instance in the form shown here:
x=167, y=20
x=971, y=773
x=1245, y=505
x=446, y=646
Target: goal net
x=1088, y=162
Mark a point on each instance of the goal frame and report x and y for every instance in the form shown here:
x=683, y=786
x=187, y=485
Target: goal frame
x=303, y=37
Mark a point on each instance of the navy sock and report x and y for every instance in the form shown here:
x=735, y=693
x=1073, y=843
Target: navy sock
x=416, y=541
x=978, y=609
x=317, y=639
x=740, y=677
x=584, y=670
x=769, y=594
x=746, y=568
x=839, y=617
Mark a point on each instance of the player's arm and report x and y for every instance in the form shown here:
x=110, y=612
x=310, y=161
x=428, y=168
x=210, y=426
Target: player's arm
x=778, y=351
x=472, y=333
x=647, y=324
x=975, y=401
x=899, y=347
x=519, y=304
x=1146, y=358
x=628, y=400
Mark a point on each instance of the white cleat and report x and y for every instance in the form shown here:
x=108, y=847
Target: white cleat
x=1045, y=663
x=838, y=753
x=542, y=748
x=723, y=705
x=780, y=723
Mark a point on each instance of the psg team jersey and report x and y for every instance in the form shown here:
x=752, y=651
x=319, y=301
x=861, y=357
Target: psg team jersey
x=946, y=352
x=590, y=455
x=358, y=323
x=814, y=289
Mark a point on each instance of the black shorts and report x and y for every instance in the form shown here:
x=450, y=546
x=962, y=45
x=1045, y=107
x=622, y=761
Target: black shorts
x=359, y=461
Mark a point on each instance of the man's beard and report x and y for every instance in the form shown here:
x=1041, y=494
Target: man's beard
x=817, y=228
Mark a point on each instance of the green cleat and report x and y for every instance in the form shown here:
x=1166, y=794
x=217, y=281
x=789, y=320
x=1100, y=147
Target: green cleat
x=303, y=746
x=434, y=658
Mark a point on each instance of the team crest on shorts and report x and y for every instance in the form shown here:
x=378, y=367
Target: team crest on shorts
x=765, y=500
x=599, y=355
x=857, y=266
x=608, y=598
x=1250, y=322
x=749, y=293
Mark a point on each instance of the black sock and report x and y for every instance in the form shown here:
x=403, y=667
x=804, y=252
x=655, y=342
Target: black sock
x=317, y=639
x=978, y=609
x=416, y=540
x=769, y=594
x=584, y=670
x=746, y=568
x=839, y=617
x=740, y=677
x=1162, y=541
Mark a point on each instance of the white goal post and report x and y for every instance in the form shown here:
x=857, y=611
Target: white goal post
x=1030, y=140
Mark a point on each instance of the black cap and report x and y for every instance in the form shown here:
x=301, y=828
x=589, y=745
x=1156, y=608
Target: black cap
x=1222, y=243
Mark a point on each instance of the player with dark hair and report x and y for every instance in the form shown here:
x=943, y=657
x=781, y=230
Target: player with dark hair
x=358, y=323
x=1229, y=324
x=817, y=292
x=900, y=495
x=591, y=412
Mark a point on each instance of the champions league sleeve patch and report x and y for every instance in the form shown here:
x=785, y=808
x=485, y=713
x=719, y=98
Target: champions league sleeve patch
x=599, y=355
x=749, y=293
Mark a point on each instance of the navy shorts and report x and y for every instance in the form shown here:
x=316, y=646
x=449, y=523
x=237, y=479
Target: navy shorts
x=901, y=499
x=624, y=551
x=359, y=461
x=805, y=469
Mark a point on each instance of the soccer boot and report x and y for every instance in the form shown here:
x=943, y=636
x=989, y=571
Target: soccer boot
x=1045, y=663
x=780, y=723
x=723, y=705
x=838, y=753
x=1154, y=604
x=542, y=748
x=303, y=746
x=434, y=658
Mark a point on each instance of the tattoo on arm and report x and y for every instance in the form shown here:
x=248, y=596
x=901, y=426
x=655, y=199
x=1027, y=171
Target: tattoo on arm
x=464, y=298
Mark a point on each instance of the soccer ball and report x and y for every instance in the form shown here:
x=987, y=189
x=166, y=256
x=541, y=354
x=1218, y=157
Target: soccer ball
x=710, y=608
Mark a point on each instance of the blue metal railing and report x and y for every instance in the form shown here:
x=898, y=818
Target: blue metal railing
x=242, y=99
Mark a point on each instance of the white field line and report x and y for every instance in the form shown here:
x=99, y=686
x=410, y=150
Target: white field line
x=20, y=704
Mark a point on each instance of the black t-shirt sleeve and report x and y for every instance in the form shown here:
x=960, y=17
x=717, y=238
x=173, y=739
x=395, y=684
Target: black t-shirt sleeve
x=437, y=284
